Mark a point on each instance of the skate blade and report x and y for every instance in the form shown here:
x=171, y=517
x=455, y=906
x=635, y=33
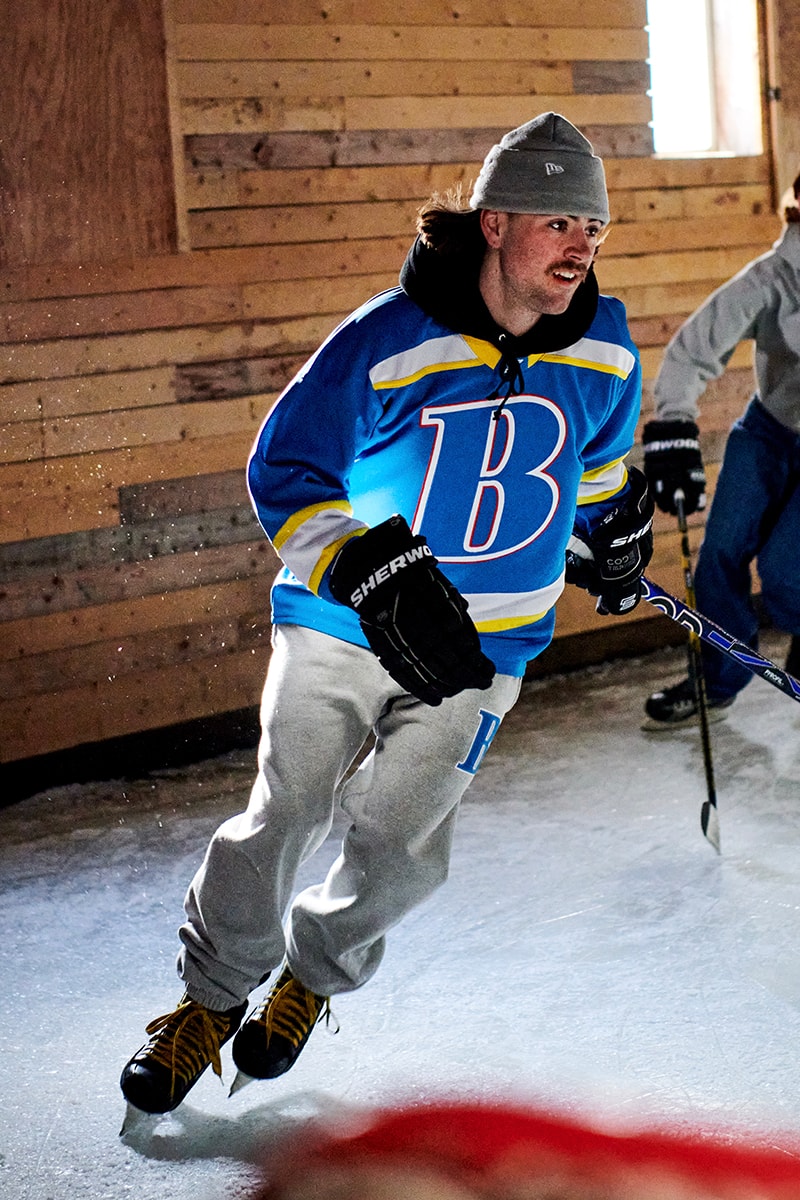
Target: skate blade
x=241, y=1081
x=714, y=715
x=135, y=1119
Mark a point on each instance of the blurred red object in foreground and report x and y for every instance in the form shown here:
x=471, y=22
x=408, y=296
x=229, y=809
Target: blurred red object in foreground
x=496, y=1152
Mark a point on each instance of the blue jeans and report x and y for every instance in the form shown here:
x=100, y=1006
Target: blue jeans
x=754, y=516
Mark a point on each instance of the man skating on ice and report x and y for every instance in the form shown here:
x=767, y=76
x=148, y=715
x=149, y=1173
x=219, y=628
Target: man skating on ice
x=755, y=513
x=479, y=413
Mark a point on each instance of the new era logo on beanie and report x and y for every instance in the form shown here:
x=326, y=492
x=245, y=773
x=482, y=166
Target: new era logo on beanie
x=544, y=166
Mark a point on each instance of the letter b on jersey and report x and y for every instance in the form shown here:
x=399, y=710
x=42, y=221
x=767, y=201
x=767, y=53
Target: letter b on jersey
x=488, y=492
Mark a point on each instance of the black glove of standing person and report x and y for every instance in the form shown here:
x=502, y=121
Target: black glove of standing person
x=415, y=621
x=672, y=461
x=610, y=561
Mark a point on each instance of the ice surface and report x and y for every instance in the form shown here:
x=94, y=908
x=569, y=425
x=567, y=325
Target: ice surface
x=590, y=951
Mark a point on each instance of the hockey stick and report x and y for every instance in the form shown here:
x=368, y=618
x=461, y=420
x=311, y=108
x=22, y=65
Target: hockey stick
x=715, y=635
x=709, y=816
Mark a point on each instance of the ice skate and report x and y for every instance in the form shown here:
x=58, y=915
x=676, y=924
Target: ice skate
x=270, y=1040
x=676, y=708
x=793, y=658
x=182, y=1044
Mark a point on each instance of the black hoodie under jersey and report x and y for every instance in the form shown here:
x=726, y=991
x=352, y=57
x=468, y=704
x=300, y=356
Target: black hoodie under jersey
x=445, y=287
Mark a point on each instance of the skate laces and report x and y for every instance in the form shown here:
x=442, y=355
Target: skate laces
x=187, y=1039
x=291, y=1011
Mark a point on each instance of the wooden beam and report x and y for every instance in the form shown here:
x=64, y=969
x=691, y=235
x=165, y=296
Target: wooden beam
x=336, y=43
x=576, y=13
x=36, y=593
x=98, y=355
x=131, y=703
x=124, y=618
x=295, y=81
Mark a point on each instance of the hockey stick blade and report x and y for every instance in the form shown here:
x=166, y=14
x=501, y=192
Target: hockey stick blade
x=709, y=823
x=715, y=635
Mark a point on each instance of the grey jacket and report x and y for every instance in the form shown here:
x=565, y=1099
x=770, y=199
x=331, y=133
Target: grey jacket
x=761, y=302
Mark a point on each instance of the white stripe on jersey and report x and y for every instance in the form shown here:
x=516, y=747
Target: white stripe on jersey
x=494, y=611
x=436, y=354
x=597, y=355
x=309, y=540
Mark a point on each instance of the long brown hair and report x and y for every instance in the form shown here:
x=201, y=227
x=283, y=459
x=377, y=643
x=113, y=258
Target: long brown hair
x=446, y=223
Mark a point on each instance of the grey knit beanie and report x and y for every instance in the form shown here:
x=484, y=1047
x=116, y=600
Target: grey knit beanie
x=544, y=166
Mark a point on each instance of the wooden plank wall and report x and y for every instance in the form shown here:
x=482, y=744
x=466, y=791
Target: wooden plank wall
x=134, y=577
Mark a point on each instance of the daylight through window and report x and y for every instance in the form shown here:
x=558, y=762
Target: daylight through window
x=705, y=77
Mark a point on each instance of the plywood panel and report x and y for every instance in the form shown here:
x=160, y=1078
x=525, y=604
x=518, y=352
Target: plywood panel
x=86, y=131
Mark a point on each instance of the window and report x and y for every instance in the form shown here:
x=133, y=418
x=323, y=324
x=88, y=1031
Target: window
x=705, y=77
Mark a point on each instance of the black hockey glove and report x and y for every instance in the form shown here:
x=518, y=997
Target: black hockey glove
x=672, y=461
x=610, y=561
x=415, y=621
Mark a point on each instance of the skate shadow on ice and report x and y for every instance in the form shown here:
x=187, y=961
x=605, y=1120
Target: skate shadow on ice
x=189, y=1134
x=748, y=759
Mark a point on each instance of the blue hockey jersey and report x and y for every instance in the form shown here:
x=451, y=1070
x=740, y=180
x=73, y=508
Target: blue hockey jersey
x=397, y=413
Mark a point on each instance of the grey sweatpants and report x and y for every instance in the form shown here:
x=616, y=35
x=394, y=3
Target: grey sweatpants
x=321, y=700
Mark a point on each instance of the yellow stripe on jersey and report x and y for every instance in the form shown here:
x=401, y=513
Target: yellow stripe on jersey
x=602, y=483
x=327, y=557
x=485, y=351
x=511, y=623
